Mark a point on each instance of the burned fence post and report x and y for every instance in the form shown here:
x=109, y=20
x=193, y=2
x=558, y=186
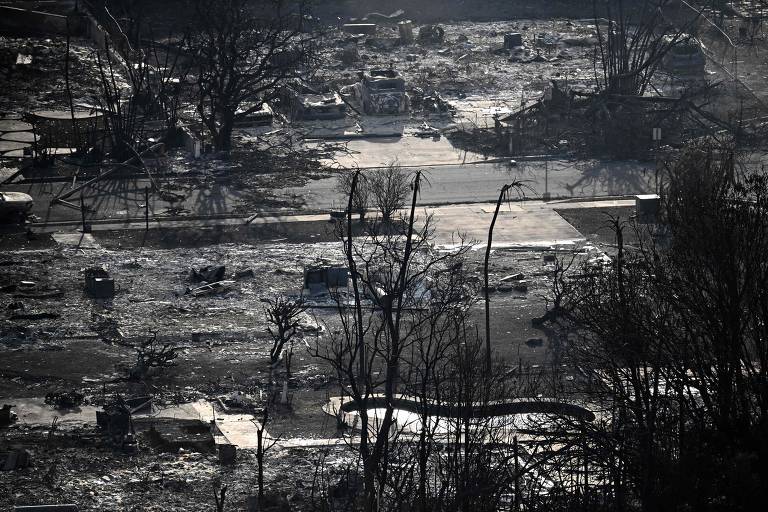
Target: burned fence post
x=146, y=208
x=82, y=214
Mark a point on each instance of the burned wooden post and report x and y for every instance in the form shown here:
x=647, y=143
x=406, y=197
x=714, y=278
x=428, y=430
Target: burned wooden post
x=146, y=208
x=86, y=227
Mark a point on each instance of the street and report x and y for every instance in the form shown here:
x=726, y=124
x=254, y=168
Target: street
x=471, y=183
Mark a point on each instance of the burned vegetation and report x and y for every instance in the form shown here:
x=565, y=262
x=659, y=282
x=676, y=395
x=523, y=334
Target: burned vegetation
x=439, y=256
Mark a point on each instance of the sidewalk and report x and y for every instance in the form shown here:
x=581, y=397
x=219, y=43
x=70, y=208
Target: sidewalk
x=528, y=223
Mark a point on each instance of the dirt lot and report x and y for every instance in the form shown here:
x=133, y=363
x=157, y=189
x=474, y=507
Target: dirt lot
x=41, y=84
x=595, y=225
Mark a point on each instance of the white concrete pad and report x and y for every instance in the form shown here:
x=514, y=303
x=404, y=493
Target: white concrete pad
x=518, y=225
x=81, y=240
x=407, y=150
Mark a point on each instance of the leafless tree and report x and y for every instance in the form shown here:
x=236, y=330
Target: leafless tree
x=388, y=189
x=631, y=47
x=284, y=316
x=151, y=353
x=389, y=272
x=361, y=197
x=674, y=334
x=503, y=196
x=243, y=52
x=407, y=342
x=263, y=445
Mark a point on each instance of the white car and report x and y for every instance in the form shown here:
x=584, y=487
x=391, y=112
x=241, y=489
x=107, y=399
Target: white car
x=15, y=203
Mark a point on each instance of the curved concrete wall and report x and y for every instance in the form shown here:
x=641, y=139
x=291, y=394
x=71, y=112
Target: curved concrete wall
x=480, y=411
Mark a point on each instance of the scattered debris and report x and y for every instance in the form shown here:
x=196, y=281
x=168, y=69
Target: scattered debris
x=208, y=274
x=215, y=288
x=65, y=399
x=15, y=459
x=426, y=131
x=431, y=34
x=359, y=28
x=46, y=508
x=349, y=55
x=535, y=342
x=7, y=415
x=98, y=283
x=320, y=280
x=38, y=294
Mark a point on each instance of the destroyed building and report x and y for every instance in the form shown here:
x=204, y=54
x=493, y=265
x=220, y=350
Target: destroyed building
x=685, y=58
x=300, y=102
x=382, y=92
x=235, y=267
x=261, y=116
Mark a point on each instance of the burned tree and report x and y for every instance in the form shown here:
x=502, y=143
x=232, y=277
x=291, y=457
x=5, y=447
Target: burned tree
x=388, y=189
x=142, y=82
x=407, y=343
x=152, y=353
x=362, y=192
x=674, y=332
x=284, y=316
x=243, y=51
x=503, y=196
x=387, y=270
x=631, y=45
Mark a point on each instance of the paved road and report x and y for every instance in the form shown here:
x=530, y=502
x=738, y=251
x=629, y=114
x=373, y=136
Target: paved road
x=124, y=199
x=482, y=182
x=448, y=184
